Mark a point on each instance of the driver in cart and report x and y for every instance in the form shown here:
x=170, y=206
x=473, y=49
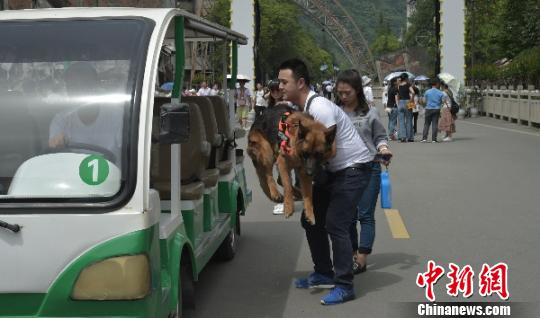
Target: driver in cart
x=93, y=124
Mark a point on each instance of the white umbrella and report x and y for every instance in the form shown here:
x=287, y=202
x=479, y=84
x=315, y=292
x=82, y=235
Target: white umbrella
x=397, y=74
x=239, y=77
x=451, y=81
x=421, y=78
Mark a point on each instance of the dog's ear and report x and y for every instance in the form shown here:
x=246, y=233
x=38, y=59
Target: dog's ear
x=330, y=135
x=302, y=131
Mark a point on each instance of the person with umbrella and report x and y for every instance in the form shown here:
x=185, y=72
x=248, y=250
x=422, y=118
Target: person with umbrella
x=242, y=96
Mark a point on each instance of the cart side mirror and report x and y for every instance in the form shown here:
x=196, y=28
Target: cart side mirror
x=174, y=123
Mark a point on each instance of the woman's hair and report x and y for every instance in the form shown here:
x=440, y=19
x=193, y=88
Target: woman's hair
x=353, y=78
x=272, y=85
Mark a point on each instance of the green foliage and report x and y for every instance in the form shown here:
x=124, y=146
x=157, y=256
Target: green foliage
x=220, y=13
x=385, y=43
x=499, y=29
x=282, y=38
x=520, y=26
x=368, y=13
x=421, y=33
x=523, y=69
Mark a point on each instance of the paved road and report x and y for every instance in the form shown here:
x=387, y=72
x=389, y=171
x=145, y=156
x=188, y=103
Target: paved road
x=473, y=201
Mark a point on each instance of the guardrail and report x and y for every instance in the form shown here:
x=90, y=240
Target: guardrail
x=516, y=105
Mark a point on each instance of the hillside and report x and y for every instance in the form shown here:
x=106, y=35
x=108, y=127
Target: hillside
x=366, y=14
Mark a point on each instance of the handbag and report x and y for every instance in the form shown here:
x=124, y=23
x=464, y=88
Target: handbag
x=411, y=105
x=386, y=190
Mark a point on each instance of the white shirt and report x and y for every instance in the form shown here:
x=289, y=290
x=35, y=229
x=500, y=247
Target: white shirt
x=204, y=91
x=259, y=98
x=350, y=148
x=214, y=92
x=368, y=93
x=385, y=95
x=105, y=131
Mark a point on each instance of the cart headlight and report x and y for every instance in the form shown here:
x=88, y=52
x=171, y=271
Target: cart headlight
x=117, y=278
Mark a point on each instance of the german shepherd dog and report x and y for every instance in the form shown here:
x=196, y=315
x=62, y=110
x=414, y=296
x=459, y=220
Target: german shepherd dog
x=310, y=144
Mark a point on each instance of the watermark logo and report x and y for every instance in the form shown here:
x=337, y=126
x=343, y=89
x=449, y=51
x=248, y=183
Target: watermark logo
x=492, y=280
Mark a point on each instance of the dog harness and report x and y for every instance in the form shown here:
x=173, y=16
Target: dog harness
x=284, y=135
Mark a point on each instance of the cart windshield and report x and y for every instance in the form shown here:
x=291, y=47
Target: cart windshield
x=68, y=106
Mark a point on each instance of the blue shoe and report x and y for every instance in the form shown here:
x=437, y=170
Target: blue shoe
x=315, y=280
x=338, y=295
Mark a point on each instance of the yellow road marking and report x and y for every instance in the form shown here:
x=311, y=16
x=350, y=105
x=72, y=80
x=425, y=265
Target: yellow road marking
x=397, y=227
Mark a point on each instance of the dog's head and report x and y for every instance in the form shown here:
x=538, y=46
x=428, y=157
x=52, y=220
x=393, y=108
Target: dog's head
x=313, y=142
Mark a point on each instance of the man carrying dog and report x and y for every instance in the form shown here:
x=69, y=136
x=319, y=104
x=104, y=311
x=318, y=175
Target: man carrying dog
x=335, y=191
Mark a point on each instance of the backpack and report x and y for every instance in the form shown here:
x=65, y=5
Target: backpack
x=454, y=108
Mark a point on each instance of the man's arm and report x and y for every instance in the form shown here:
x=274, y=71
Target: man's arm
x=57, y=138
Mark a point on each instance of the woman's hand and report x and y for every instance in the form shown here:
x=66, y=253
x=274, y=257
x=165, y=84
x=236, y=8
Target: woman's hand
x=385, y=155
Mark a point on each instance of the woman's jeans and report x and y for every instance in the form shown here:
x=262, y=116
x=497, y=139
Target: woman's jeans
x=366, y=213
x=405, y=121
x=392, y=121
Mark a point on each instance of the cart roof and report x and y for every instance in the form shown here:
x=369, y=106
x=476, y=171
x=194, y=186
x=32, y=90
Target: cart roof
x=159, y=15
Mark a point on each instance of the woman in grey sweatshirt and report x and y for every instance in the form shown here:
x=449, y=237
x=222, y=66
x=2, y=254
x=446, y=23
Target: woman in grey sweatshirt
x=367, y=122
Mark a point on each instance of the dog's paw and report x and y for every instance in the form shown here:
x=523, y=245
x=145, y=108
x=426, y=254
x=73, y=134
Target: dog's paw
x=310, y=219
x=288, y=210
x=277, y=198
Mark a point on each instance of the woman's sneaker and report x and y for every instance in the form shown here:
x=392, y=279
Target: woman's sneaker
x=338, y=295
x=447, y=139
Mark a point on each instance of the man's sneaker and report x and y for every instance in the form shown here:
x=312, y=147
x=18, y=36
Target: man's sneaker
x=447, y=139
x=338, y=295
x=278, y=209
x=315, y=280
x=423, y=140
x=434, y=141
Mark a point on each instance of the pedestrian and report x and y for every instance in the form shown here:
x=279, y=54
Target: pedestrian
x=368, y=92
x=242, y=96
x=433, y=99
x=366, y=120
x=391, y=109
x=215, y=90
x=259, y=101
x=447, y=124
x=204, y=90
x=336, y=189
x=405, y=94
x=328, y=91
x=416, y=109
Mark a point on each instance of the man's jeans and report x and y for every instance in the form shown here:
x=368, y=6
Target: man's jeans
x=366, y=213
x=335, y=201
x=431, y=118
x=392, y=121
x=405, y=121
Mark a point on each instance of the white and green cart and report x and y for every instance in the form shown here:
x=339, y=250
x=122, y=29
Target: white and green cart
x=113, y=195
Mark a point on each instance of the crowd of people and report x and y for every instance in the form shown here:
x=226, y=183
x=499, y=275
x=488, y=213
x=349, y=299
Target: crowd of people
x=403, y=101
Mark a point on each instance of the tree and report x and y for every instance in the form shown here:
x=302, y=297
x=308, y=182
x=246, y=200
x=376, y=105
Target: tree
x=421, y=32
x=282, y=37
x=385, y=43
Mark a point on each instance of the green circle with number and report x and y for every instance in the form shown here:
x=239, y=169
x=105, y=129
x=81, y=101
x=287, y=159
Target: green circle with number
x=94, y=170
